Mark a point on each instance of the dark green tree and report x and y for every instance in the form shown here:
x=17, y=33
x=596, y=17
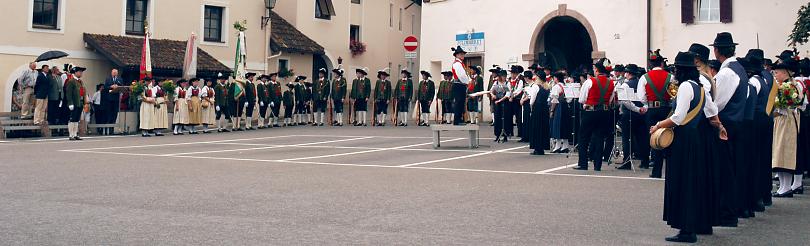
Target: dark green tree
x=801, y=30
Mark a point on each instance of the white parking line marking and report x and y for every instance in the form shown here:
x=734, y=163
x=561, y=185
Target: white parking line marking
x=556, y=169
x=462, y=157
x=177, y=144
x=267, y=147
x=366, y=151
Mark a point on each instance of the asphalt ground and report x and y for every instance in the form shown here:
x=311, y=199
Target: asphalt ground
x=337, y=186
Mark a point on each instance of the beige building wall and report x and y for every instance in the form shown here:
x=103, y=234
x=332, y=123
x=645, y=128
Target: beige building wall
x=383, y=40
x=174, y=19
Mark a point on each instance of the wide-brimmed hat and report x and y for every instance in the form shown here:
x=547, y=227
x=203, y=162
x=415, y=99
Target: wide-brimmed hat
x=516, y=69
x=425, y=73
x=384, y=71
x=788, y=55
x=495, y=69
x=249, y=74
x=631, y=68
x=528, y=74
x=272, y=74
x=604, y=63
x=300, y=78
x=655, y=55
x=447, y=73
x=77, y=69
x=700, y=51
x=476, y=69
x=619, y=68
x=685, y=59
x=541, y=75
x=406, y=72
x=715, y=64
x=457, y=50
x=724, y=39
x=790, y=65
x=755, y=58
x=323, y=71
x=364, y=70
x=338, y=70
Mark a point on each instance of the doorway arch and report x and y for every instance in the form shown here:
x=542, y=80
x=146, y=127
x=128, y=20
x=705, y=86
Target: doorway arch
x=564, y=38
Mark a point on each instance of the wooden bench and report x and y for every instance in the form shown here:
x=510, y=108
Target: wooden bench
x=470, y=128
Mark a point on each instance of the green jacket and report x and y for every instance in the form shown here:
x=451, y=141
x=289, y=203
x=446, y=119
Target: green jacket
x=321, y=89
x=339, y=89
x=274, y=90
x=264, y=93
x=361, y=88
x=289, y=98
x=75, y=93
x=250, y=91
x=427, y=89
x=221, y=96
x=445, y=90
x=404, y=90
x=476, y=86
x=298, y=90
x=382, y=90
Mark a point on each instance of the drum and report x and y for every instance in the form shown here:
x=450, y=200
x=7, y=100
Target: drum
x=662, y=138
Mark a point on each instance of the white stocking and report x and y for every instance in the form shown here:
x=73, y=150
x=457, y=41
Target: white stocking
x=797, y=181
x=784, y=182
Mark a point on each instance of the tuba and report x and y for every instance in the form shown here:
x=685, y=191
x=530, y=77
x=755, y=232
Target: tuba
x=672, y=90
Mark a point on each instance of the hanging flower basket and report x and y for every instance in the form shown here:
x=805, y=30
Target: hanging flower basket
x=357, y=47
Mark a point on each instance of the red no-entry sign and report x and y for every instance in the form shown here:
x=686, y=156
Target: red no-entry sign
x=410, y=43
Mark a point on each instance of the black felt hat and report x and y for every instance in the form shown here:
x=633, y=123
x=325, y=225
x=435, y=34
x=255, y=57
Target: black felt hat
x=527, y=74
x=250, y=74
x=790, y=65
x=447, y=73
x=425, y=73
x=77, y=69
x=476, y=69
x=364, y=70
x=516, y=69
x=619, y=68
x=406, y=72
x=655, y=55
x=700, y=51
x=457, y=50
x=685, y=59
x=788, y=55
x=715, y=64
x=724, y=39
x=631, y=68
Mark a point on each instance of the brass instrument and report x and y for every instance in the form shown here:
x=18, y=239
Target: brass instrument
x=672, y=90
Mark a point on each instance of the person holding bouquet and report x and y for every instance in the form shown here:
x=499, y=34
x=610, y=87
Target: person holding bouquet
x=786, y=125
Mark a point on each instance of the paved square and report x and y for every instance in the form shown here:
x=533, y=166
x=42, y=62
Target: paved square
x=325, y=185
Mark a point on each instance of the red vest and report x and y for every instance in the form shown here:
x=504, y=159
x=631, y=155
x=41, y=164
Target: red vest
x=658, y=78
x=600, y=89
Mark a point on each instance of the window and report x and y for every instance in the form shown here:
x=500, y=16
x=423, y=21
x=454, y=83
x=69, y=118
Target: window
x=708, y=10
x=136, y=16
x=324, y=9
x=283, y=65
x=391, y=15
x=212, y=23
x=400, y=19
x=356, y=1
x=354, y=33
x=45, y=14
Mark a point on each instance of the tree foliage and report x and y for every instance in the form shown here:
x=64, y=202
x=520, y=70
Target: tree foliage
x=801, y=29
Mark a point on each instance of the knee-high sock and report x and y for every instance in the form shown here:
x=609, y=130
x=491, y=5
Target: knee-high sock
x=797, y=181
x=784, y=182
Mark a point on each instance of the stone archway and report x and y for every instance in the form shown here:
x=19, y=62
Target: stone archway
x=571, y=23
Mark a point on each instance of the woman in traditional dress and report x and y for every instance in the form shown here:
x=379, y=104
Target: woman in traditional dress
x=686, y=199
x=161, y=111
x=786, y=126
x=538, y=129
x=209, y=114
x=560, y=115
x=180, y=118
x=194, y=105
x=500, y=95
x=803, y=142
x=147, y=112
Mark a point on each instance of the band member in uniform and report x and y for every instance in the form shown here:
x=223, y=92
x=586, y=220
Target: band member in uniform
x=560, y=115
x=221, y=102
x=320, y=97
x=635, y=133
x=361, y=90
x=749, y=190
x=76, y=99
x=425, y=94
x=529, y=90
x=513, y=111
x=500, y=95
x=300, y=100
x=653, y=94
x=596, y=95
x=460, y=81
x=617, y=75
x=339, y=86
x=538, y=127
x=180, y=107
x=493, y=78
x=308, y=103
x=403, y=94
x=476, y=85
x=446, y=97
x=275, y=91
x=686, y=198
x=249, y=100
x=194, y=106
x=263, y=93
x=382, y=93
x=237, y=93
x=146, y=115
x=161, y=117
x=289, y=104
x=786, y=125
x=731, y=97
x=208, y=114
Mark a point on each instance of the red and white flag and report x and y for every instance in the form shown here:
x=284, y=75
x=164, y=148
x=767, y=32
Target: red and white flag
x=146, y=57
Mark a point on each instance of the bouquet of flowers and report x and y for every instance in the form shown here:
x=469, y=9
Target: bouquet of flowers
x=168, y=86
x=788, y=95
x=240, y=25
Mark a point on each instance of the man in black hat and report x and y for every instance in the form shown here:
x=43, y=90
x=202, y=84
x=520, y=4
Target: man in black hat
x=338, y=94
x=732, y=89
x=361, y=91
x=382, y=95
x=299, y=90
x=761, y=124
x=513, y=109
x=403, y=92
x=476, y=85
x=249, y=100
x=424, y=96
x=460, y=81
x=445, y=94
x=221, y=103
x=275, y=91
x=653, y=93
x=320, y=96
x=596, y=96
x=76, y=97
x=635, y=133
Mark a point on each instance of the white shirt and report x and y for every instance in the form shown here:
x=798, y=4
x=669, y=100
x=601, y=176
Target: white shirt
x=459, y=72
x=556, y=90
x=204, y=91
x=710, y=109
x=757, y=82
x=586, y=89
x=97, y=98
x=531, y=92
x=29, y=78
x=517, y=89
x=727, y=82
x=685, y=95
x=641, y=93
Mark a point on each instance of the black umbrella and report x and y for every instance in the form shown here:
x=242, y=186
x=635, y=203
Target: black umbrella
x=50, y=55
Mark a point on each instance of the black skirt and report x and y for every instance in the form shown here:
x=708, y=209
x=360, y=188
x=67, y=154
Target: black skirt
x=686, y=199
x=803, y=144
x=539, y=123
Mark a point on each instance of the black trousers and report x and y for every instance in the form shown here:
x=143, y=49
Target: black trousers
x=728, y=169
x=110, y=109
x=635, y=137
x=320, y=106
x=592, y=128
x=654, y=115
x=361, y=104
x=300, y=107
x=249, y=110
x=608, y=143
x=424, y=106
x=763, y=125
x=233, y=110
x=263, y=110
x=403, y=105
x=459, y=97
x=447, y=107
x=746, y=167
x=381, y=107
x=276, y=109
x=337, y=105
x=526, y=114
x=501, y=123
x=223, y=111
x=76, y=114
x=288, y=110
x=53, y=113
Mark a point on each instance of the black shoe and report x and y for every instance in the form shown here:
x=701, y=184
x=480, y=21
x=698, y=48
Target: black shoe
x=642, y=166
x=798, y=191
x=746, y=214
x=226, y=130
x=498, y=139
x=564, y=151
x=768, y=201
x=537, y=153
x=683, y=238
x=788, y=194
x=598, y=169
x=77, y=138
x=626, y=166
x=760, y=206
x=581, y=168
x=206, y=132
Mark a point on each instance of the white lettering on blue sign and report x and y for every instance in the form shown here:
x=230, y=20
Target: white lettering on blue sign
x=471, y=42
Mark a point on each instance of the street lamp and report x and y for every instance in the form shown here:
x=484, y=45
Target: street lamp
x=268, y=5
